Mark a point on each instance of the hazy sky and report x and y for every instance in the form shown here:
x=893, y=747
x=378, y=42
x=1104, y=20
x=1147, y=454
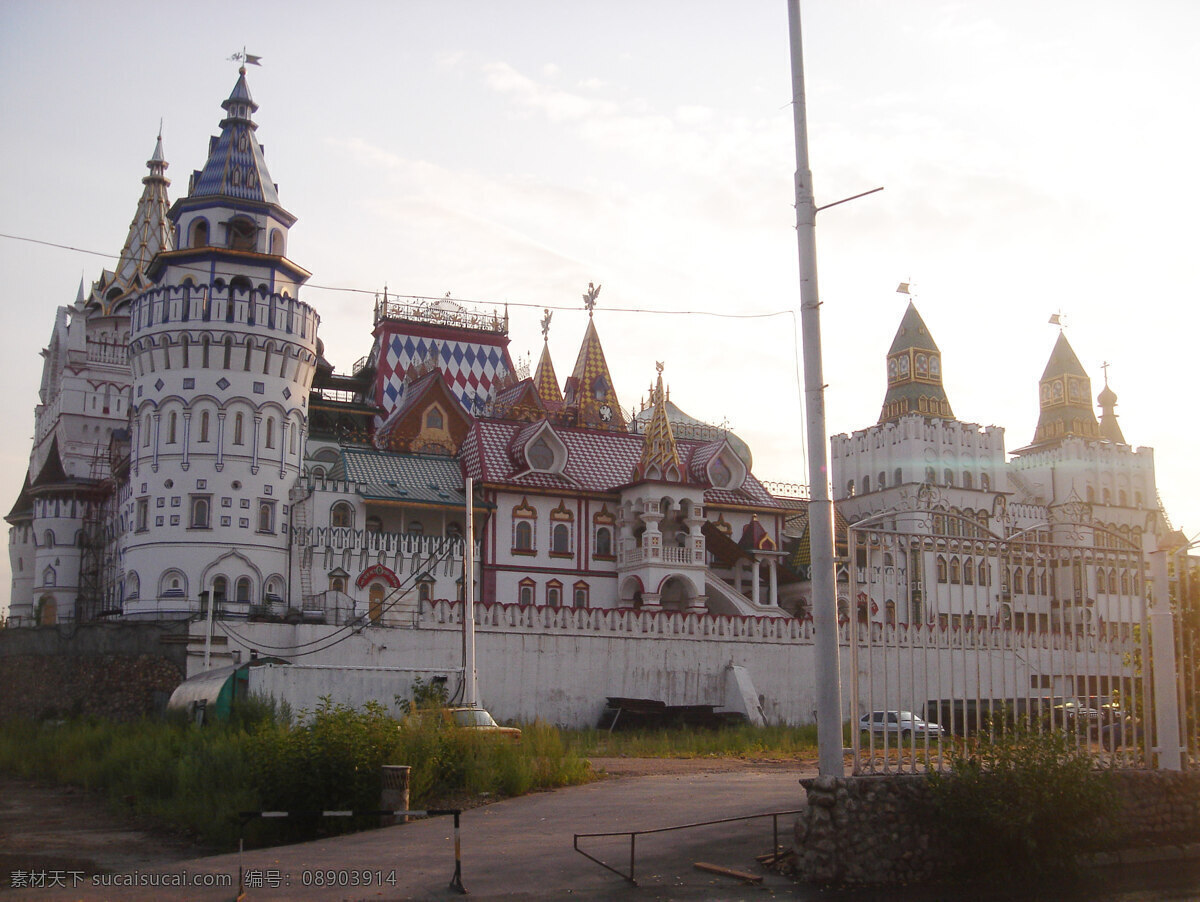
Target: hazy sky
x=1036, y=158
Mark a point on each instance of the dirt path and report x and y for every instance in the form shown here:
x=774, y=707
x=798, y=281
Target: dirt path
x=68, y=829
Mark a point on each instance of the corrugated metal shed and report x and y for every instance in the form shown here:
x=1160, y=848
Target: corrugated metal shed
x=210, y=695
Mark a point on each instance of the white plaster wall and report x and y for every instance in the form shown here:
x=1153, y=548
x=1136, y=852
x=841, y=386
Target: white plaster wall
x=564, y=677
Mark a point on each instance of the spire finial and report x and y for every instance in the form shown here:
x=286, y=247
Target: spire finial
x=546, y=324
x=1104, y=366
x=589, y=298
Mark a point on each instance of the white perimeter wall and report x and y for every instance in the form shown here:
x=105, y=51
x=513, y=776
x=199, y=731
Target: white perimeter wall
x=555, y=671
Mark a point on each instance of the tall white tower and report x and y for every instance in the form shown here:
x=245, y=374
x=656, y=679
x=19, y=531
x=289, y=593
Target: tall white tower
x=223, y=354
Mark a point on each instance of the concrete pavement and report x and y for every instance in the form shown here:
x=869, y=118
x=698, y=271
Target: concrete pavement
x=515, y=849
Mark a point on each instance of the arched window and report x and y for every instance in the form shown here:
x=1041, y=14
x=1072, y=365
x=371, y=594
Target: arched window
x=433, y=418
x=200, y=512
x=866, y=485
x=850, y=489
x=603, y=542
x=554, y=593
x=942, y=575
x=985, y=482
x=266, y=516
x=897, y=476
x=882, y=480
x=948, y=475
x=220, y=589
x=49, y=577
x=1101, y=582
x=955, y=571
x=205, y=342
x=146, y=431
x=242, y=588
x=1031, y=582
x=277, y=247
x=270, y=433
x=341, y=515
x=172, y=422
x=930, y=475
x=200, y=233
x=523, y=536
x=204, y=426
x=580, y=595
x=1018, y=581
x=525, y=591
x=228, y=352
x=524, y=518
x=560, y=539
x=239, y=423
x=969, y=572
x=968, y=481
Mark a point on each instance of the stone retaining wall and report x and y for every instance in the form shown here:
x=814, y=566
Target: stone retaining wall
x=882, y=830
x=120, y=671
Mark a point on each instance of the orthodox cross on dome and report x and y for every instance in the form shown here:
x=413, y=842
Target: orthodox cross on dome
x=1104, y=366
x=549, y=314
x=589, y=298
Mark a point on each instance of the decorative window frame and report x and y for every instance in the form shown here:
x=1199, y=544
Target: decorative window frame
x=524, y=513
x=581, y=595
x=561, y=516
x=527, y=585
x=554, y=589
x=557, y=447
x=194, y=503
x=604, y=519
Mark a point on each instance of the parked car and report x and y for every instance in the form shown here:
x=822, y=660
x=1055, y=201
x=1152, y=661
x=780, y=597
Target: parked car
x=479, y=719
x=899, y=723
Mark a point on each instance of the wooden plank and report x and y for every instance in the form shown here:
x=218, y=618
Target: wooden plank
x=727, y=872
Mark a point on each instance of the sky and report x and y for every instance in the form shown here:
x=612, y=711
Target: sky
x=1036, y=159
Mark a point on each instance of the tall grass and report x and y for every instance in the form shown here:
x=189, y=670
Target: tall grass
x=197, y=778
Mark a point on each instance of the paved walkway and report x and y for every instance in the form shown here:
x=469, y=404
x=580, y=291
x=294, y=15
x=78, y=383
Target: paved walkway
x=515, y=849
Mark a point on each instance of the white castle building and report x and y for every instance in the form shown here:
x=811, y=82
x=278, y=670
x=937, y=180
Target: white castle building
x=194, y=447
x=193, y=443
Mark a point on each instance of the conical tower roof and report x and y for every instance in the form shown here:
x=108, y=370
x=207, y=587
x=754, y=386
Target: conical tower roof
x=590, y=388
x=150, y=231
x=236, y=167
x=914, y=373
x=660, y=456
x=1065, y=393
x=545, y=380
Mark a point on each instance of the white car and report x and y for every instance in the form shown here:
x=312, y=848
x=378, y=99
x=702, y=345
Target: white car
x=899, y=723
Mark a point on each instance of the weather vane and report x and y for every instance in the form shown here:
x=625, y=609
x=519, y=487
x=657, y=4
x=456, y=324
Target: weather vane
x=589, y=299
x=546, y=324
x=246, y=59
x=1056, y=319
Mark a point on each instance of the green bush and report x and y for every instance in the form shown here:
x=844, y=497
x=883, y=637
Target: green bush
x=1022, y=799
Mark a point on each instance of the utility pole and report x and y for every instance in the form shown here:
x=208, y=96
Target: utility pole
x=820, y=508
x=470, y=690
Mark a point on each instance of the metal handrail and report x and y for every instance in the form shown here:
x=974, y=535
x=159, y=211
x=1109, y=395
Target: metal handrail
x=634, y=834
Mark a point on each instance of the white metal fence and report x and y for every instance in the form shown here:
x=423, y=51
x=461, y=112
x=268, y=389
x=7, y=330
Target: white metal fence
x=962, y=632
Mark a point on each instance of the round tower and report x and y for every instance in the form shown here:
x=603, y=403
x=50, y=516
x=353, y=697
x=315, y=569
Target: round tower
x=223, y=354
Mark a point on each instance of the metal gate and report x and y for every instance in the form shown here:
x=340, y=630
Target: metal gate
x=957, y=631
